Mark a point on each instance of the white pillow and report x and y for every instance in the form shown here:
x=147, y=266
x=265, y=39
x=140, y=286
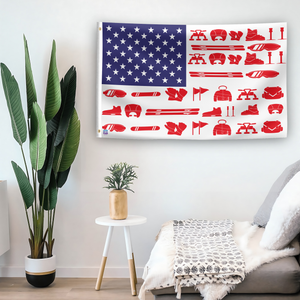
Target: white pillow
x=284, y=223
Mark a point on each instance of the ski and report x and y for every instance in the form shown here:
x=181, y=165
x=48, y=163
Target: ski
x=146, y=94
x=217, y=74
x=183, y=111
x=218, y=47
x=145, y=128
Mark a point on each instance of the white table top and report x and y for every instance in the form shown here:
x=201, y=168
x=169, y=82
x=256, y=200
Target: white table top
x=130, y=221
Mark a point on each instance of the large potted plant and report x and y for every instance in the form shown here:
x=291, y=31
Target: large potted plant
x=121, y=176
x=53, y=143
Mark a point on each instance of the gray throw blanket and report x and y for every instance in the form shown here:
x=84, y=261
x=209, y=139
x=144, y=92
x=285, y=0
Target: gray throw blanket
x=206, y=253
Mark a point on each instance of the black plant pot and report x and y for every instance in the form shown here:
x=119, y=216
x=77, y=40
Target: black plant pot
x=40, y=272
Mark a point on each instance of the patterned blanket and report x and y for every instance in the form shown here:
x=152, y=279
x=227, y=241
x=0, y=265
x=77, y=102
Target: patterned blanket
x=205, y=252
x=159, y=270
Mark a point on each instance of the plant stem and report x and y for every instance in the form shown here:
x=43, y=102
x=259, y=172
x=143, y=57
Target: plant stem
x=25, y=162
x=27, y=217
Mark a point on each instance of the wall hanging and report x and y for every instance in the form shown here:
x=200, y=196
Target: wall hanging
x=192, y=81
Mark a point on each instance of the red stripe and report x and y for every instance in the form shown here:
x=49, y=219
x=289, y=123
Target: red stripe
x=173, y=110
x=171, y=113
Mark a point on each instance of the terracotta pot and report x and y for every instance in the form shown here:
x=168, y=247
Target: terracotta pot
x=40, y=272
x=118, y=209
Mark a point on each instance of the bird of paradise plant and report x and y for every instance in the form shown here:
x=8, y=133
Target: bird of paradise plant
x=53, y=143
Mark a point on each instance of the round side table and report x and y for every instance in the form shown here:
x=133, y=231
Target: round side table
x=130, y=221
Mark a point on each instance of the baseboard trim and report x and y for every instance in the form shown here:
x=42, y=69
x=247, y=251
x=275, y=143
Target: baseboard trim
x=74, y=272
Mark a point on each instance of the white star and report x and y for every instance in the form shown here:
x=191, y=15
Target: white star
x=144, y=60
x=165, y=43
x=172, y=36
x=151, y=67
x=157, y=73
x=122, y=78
x=136, y=42
x=172, y=49
x=122, y=28
x=115, y=72
x=165, y=55
x=179, y=80
x=179, y=43
x=144, y=48
x=108, y=53
x=116, y=47
x=123, y=41
x=150, y=54
x=158, y=61
x=136, y=79
x=144, y=73
x=108, y=41
x=165, y=30
x=116, y=59
x=136, y=29
x=144, y=35
x=130, y=60
x=136, y=67
x=129, y=35
x=165, y=80
x=179, y=30
x=122, y=66
x=179, y=68
x=116, y=34
x=157, y=48
x=122, y=53
x=179, y=55
x=172, y=61
x=129, y=72
x=108, y=66
x=108, y=78
x=158, y=36
x=136, y=54
x=129, y=48
x=150, y=80
x=151, y=29
x=165, y=68
x=172, y=74
x=151, y=42
x=108, y=28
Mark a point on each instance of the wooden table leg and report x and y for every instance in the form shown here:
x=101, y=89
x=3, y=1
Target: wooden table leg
x=104, y=258
x=100, y=274
x=132, y=271
x=135, y=277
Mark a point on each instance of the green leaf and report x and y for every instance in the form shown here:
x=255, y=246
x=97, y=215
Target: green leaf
x=60, y=121
x=53, y=94
x=65, y=153
x=52, y=125
x=122, y=175
x=50, y=194
x=62, y=178
x=68, y=91
x=30, y=87
x=24, y=185
x=45, y=172
x=38, y=138
x=13, y=99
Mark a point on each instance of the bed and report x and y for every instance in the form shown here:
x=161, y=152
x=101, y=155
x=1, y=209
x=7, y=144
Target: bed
x=227, y=259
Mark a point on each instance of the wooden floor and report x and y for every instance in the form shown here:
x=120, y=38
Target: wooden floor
x=69, y=288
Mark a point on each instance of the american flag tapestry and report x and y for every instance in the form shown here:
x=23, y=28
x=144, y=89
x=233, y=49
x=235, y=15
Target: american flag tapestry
x=192, y=81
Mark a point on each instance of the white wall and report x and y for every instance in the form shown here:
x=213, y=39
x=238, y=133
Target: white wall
x=177, y=179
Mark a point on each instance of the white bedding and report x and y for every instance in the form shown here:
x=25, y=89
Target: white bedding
x=159, y=270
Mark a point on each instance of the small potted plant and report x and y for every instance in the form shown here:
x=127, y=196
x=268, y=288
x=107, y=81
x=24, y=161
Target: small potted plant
x=121, y=176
